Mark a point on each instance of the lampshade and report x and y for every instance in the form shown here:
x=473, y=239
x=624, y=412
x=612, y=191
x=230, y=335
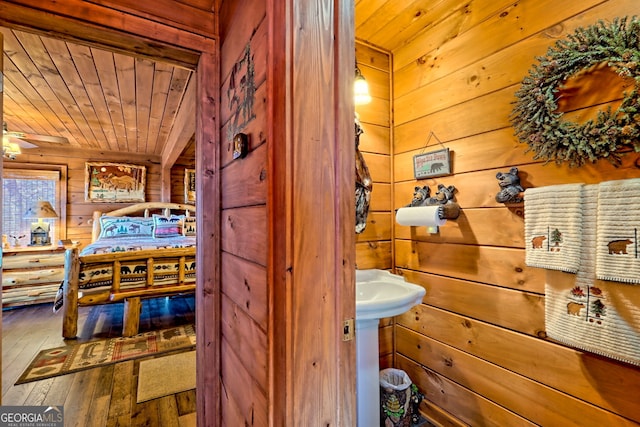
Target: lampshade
x=361, y=89
x=10, y=149
x=40, y=209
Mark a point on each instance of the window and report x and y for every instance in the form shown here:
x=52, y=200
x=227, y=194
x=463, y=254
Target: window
x=21, y=186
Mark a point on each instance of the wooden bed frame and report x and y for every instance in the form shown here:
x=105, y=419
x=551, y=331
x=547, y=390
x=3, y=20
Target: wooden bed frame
x=75, y=264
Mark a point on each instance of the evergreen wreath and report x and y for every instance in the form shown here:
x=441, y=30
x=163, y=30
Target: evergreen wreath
x=536, y=119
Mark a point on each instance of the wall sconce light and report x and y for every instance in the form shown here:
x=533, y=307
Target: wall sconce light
x=361, y=89
x=40, y=230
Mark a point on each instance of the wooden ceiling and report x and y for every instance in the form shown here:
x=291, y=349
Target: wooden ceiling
x=107, y=101
x=389, y=24
x=96, y=99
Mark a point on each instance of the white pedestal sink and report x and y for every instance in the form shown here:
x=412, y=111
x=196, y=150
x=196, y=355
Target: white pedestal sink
x=378, y=294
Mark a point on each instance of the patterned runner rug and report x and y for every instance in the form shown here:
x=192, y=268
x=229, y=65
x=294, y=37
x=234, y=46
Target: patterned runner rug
x=91, y=354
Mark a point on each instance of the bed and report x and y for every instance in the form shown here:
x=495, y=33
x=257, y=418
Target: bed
x=146, y=250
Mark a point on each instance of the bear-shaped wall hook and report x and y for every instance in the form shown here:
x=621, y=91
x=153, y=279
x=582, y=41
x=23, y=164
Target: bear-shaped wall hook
x=510, y=189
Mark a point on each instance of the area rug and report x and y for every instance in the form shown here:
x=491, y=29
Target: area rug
x=73, y=358
x=166, y=375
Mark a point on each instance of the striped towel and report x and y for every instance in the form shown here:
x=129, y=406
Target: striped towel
x=553, y=227
x=590, y=314
x=617, y=249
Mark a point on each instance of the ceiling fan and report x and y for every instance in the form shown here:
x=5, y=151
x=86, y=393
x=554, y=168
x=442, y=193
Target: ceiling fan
x=12, y=142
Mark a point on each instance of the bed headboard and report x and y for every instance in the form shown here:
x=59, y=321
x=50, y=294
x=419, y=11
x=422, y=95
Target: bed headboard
x=145, y=209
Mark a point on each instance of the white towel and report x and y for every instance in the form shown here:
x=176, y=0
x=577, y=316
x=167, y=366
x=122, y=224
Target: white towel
x=618, y=228
x=553, y=227
x=590, y=314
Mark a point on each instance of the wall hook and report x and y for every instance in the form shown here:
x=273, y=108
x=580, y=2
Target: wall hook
x=510, y=189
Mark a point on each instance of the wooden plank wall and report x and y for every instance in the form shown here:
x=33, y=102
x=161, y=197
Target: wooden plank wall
x=244, y=308
x=373, y=245
x=477, y=346
x=79, y=211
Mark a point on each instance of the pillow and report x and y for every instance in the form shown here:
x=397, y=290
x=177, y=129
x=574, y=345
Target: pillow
x=189, y=226
x=125, y=226
x=164, y=226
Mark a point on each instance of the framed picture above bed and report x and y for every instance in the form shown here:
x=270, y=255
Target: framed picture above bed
x=114, y=182
x=190, y=186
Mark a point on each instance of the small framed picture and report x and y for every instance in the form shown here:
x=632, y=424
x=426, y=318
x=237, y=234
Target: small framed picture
x=432, y=164
x=190, y=186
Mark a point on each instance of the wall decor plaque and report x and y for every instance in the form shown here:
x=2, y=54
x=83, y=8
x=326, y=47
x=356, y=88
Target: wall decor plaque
x=432, y=164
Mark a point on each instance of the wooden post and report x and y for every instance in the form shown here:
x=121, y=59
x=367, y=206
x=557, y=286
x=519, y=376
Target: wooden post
x=208, y=295
x=116, y=273
x=149, y=272
x=131, y=319
x=70, y=293
x=181, y=269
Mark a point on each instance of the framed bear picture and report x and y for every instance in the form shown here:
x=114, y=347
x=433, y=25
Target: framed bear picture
x=432, y=164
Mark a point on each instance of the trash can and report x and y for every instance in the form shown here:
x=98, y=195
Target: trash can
x=395, y=398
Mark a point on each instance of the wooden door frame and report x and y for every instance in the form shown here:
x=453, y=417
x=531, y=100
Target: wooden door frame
x=293, y=391
x=311, y=267
x=95, y=25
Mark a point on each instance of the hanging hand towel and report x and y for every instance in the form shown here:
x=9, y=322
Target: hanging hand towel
x=594, y=315
x=617, y=248
x=589, y=314
x=553, y=227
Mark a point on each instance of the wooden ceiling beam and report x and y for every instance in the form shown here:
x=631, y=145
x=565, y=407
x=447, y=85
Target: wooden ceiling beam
x=184, y=126
x=92, y=24
x=184, y=16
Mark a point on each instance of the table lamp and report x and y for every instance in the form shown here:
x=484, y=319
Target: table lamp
x=40, y=230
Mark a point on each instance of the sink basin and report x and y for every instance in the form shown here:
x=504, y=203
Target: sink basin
x=378, y=294
x=382, y=294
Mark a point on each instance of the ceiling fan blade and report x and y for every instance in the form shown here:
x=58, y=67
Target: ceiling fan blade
x=33, y=138
x=21, y=142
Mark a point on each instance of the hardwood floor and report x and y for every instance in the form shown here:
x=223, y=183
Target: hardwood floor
x=103, y=396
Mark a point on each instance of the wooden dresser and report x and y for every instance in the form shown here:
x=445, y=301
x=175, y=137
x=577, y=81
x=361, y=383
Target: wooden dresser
x=31, y=275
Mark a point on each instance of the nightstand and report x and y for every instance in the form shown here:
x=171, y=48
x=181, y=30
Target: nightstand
x=31, y=274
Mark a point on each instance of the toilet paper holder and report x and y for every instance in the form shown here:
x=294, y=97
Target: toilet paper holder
x=443, y=198
x=446, y=208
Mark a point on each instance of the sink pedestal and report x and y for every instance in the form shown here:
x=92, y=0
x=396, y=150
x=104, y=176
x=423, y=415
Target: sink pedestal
x=368, y=376
x=378, y=294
